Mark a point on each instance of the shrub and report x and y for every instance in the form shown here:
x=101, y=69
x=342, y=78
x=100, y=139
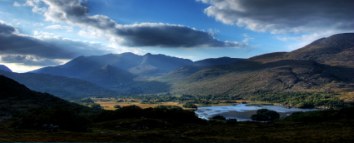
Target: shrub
x=265, y=115
x=117, y=106
x=96, y=107
x=231, y=121
x=218, y=117
x=52, y=119
x=190, y=105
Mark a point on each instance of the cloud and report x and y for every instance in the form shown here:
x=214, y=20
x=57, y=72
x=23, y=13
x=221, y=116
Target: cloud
x=168, y=35
x=143, y=34
x=37, y=5
x=59, y=27
x=16, y=47
x=29, y=60
x=6, y=29
x=282, y=16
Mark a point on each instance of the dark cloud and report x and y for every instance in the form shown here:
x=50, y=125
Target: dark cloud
x=15, y=44
x=26, y=49
x=284, y=15
x=28, y=60
x=163, y=35
x=144, y=34
x=6, y=29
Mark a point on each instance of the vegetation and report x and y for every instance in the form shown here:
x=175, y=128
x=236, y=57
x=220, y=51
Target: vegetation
x=302, y=100
x=133, y=124
x=291, y=99
x=218, y=117
x=51, y=119
x=265, y=115
x=190, y=105
x=170, y=114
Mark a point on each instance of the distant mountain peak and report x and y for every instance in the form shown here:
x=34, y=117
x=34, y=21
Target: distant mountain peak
x=148, y=54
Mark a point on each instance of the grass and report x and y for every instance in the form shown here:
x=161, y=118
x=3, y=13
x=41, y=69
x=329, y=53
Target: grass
x=347, y=97
x=109, y=105
x=302, y=100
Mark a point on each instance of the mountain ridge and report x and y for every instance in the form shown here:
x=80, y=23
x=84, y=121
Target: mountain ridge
x=302, y=70
x=335, y=50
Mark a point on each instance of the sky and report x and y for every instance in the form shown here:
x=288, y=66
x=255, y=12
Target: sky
x=39, y=33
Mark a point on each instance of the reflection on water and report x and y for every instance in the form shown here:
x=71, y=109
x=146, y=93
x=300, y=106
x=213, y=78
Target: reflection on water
x=243, y=112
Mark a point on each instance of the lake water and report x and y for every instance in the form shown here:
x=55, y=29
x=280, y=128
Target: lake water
x=243, y=112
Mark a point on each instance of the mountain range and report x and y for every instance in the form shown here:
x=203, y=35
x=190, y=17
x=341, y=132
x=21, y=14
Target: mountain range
x=325, y=65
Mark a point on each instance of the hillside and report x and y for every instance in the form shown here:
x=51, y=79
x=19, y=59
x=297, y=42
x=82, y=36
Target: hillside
x=5, y=68
x=336, y=50
x=269, y=57
x=63, y=87
x=17, y=99
x=281, y=76
x=324, y=66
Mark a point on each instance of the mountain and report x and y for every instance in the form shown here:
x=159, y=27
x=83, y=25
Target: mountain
x=5, y=68
x=336, y=50
x=217, y=61
x=63, y=87
x=123, y=73
x=158, y=64
x=269, y=57
x=15, y=99
x=281, y=76
x=325, y=65
x=134, y=64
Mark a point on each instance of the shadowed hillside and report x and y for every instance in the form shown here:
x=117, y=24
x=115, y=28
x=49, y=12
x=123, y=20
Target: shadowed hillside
x=5, y=68
x=16, y=99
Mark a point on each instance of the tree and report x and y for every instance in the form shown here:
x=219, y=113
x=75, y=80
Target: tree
x=117, y=106
x=190, y=105
x=265, y=115
x=96, y=106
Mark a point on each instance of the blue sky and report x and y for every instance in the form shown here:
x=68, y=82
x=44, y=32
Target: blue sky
x=195, y=29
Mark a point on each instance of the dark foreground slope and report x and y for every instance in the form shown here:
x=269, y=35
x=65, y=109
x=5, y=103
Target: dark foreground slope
x=5, y=68
x=16, y=98
x=63, y=87
x=25, y=109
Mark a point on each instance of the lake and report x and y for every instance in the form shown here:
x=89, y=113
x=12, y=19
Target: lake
x=243, y=112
